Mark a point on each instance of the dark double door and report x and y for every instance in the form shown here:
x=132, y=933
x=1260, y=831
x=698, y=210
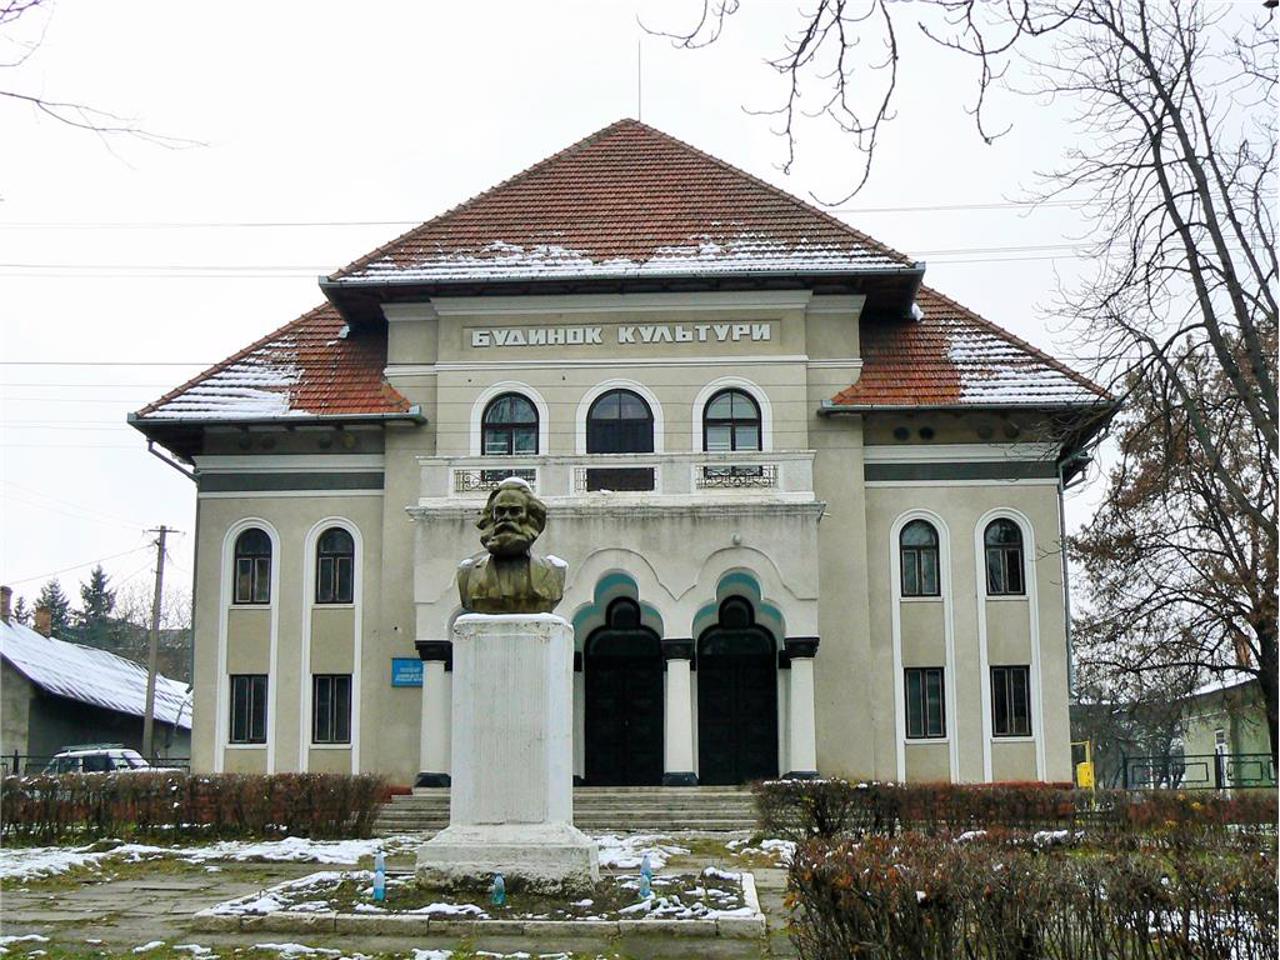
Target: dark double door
x=622, y=664
x=737, y=700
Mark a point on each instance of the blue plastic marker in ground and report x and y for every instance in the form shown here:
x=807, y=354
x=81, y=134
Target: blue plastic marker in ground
x=499, y=891
x=379, y=877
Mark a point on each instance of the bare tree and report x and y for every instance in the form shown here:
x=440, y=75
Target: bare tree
x=1174, y=163
x=72, y=113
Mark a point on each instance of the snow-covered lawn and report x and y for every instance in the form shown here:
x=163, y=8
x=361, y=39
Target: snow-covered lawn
x=30, y=863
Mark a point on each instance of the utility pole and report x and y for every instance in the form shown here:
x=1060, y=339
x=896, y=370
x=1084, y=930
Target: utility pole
x=153, y=645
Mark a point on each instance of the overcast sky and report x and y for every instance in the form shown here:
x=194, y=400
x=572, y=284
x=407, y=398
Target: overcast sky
x=330, y=127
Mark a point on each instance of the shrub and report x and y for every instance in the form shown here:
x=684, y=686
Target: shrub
x=919, y=896
x=49, y=809
x=803, y=809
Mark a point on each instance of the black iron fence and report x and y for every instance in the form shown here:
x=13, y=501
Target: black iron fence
x=34, y=763
x=1199, y=771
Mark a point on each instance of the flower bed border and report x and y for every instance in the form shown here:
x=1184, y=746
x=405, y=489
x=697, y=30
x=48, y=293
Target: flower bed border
x=390, y=924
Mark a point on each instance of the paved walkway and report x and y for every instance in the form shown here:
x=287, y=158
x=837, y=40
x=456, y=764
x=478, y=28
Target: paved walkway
x=157, y=901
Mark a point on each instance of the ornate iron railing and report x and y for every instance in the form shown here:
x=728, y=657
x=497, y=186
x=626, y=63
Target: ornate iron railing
x=482, y=481
x=736, y=476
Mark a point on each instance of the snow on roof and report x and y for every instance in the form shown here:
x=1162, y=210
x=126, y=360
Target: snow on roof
x=92, y=676
x=313, y=366
x=1224, y=681
x=949, y=356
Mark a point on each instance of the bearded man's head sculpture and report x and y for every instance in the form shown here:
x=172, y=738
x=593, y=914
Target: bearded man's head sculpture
x=511, y=520
x=509, y=579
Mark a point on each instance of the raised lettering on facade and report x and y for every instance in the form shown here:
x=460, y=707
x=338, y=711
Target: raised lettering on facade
x=626, y=334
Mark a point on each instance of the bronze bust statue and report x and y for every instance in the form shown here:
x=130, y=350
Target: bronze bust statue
x=508, y=579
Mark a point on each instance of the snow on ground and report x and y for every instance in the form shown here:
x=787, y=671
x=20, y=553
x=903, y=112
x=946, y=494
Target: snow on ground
x=780, y=851
x=29, y=863
x=627, y=853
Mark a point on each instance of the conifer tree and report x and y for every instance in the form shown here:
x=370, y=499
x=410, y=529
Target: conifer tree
x=21, y=612
x=97, y=603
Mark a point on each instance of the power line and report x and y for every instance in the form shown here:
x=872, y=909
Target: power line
x=308, y=224
x=87, y=563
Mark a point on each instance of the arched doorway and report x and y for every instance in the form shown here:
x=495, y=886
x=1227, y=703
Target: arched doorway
x=737, y=698
x=622, y=666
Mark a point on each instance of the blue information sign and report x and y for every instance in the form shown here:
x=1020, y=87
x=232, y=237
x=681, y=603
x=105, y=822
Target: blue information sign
x=406, y=672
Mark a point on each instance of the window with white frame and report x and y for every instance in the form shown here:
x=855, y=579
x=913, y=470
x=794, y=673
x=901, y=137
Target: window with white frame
x=1011, y=701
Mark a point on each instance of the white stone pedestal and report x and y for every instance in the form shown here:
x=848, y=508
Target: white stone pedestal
x=511, y=803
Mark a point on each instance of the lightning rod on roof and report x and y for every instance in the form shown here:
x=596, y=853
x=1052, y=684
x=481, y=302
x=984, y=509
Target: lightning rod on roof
x=639, y=74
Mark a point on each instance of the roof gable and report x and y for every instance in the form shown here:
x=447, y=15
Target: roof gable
x=92, y=676
x=626, y=201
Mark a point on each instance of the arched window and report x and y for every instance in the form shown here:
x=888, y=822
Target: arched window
x=731, y=421
x=620, y=422
x=1003, y=540
x=335, y=566
x=509, y=426
x=918, y=545
x=253, y=567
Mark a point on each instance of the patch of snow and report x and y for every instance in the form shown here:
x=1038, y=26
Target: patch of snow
x=23, y=938
x=995, y=370
x=722, y=874
x=627, y=853
x=148, y=946
x=452, y=910
x=256, y=386
x=421, y=954
x=296, y=949
x=700, y=255
x=194, y=949
x=970, y=835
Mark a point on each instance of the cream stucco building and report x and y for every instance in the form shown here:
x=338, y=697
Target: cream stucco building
x=811, y=508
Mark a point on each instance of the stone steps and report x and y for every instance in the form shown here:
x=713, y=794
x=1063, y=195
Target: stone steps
x=599, y=810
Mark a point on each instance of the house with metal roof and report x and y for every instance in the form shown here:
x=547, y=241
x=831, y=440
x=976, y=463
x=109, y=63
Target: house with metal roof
x=54, y=694
x=811, y=508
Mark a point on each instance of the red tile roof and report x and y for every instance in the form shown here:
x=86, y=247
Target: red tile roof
x=626, y=198
x=311, y=366
x=953, y=357
x=626, y=201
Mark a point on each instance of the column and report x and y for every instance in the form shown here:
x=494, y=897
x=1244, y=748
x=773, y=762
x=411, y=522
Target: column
x=802, y=744
x=433, y=761
x=678, y=749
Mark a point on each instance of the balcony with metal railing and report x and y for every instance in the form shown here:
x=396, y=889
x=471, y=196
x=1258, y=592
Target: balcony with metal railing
x=785, y=475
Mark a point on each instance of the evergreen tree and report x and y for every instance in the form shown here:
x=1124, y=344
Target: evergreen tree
x=97, y=603
x=21, y=612
x=51, y=596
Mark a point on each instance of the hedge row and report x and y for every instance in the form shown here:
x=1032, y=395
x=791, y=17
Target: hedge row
x=917, y=896
x=800, y=810
x=48, y=809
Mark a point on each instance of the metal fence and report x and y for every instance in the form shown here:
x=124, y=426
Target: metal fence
x=33, y=763
x=1200, y=771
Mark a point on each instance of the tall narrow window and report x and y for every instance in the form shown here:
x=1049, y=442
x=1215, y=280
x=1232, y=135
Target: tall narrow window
x=253, y=567
x=1011, y=701
x=335, y=566
x=620, y=422
x=509, y=427
x=731, y=421
x=918, y=545
x=249, y=708
x=1003, y=540
x=926, y=704
x=331, y=708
